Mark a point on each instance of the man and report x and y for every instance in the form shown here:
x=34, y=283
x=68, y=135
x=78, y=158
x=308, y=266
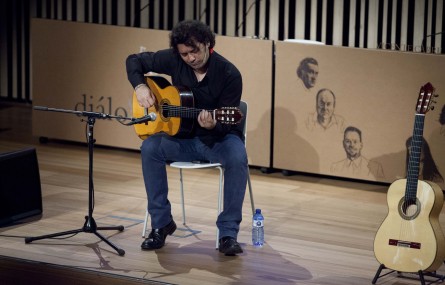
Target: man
x=307, y=71
x=355, y=165
x=324, y=118
x=215, y=82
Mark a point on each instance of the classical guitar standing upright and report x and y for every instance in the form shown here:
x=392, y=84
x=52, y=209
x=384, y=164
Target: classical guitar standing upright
x=175, y=111
x=410, y=238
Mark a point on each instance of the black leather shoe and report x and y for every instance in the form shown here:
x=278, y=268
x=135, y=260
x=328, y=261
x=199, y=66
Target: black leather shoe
x=229, y=246
x=156, y=239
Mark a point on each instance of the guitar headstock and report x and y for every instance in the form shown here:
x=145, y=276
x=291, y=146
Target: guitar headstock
x=229, y=115
x=425, y=101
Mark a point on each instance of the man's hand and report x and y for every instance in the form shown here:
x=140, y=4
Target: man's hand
x=205, y=120
x=144, y=95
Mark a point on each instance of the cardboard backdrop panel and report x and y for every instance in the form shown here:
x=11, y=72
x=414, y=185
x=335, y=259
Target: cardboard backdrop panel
x=81, y=66
x=375, y=92
x=254, y=60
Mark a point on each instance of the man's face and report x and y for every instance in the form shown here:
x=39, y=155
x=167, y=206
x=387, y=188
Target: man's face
x=352, y=144
x=309, y=75
x=325, y=104
x=196, y=57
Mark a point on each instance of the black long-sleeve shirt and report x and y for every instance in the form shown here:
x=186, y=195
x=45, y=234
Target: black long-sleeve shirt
x=221, y=86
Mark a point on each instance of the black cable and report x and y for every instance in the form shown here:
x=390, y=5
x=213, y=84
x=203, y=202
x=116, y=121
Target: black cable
x=13, y=236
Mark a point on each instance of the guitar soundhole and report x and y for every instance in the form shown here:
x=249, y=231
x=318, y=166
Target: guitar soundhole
x=164, y=110
x=409, y=209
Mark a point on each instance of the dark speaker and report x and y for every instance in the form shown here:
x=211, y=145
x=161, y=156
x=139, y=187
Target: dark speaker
x=20, y=190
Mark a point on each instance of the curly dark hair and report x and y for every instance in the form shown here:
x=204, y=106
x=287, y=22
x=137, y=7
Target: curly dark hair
x=190, y=33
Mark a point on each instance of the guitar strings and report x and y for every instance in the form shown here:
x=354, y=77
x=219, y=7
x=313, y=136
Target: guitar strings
x=409, y=206
x=186, y=111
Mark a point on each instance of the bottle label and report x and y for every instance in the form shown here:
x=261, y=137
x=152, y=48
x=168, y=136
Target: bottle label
x=258, y=223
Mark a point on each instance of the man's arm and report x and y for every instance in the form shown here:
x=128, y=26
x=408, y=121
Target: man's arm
x=139, y=64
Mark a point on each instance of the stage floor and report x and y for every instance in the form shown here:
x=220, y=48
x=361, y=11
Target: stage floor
x=318, y=230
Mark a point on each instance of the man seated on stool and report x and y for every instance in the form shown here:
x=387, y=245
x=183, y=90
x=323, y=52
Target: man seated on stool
x=215, y=82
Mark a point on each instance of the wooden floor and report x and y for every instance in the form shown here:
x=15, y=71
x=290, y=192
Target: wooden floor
x=318, y=230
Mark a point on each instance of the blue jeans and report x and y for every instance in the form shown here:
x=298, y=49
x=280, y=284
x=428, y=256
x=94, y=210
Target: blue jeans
x=159, y=149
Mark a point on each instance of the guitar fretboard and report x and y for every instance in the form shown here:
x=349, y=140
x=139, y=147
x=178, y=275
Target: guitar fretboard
x=415, y=150
x=182, y=112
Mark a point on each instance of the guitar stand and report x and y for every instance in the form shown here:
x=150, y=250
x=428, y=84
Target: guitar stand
x=90, y=224
x=436, y=278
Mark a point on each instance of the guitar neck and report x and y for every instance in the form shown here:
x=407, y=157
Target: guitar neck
x=415, y=150
x=183, y=112
x=225, y=115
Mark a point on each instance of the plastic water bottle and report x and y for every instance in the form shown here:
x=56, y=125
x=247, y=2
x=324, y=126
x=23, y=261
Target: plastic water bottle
x=258, y=229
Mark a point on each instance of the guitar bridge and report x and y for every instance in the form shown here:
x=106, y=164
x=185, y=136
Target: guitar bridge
x=403, y=243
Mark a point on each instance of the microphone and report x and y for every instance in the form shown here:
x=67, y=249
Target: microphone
x=146, y=118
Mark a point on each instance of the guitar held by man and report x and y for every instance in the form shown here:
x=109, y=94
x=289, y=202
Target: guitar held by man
x=174, y=112
x=410, y=238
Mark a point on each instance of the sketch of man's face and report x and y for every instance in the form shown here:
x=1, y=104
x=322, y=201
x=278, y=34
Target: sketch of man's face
x=325, y=105
x=307, y=71
x=352, y=144
x=309, y=75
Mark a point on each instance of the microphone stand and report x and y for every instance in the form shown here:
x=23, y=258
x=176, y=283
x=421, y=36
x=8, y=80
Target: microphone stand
x=90, y=224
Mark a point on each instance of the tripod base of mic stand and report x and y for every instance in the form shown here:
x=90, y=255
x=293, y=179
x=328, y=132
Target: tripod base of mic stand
x=89, y=227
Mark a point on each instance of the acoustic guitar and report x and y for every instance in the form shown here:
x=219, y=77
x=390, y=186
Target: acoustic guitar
x=175, y=111
x=410, y=238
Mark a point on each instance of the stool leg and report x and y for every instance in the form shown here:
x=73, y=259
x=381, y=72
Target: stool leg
x=144, y=230
x=250, y=191
x=182, y=195
x=220, y=201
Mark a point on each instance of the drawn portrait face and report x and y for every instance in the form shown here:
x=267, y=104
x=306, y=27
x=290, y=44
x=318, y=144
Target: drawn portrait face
x=325, y=105
x=308, y=72
x=309, y=75
x=353, y=144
